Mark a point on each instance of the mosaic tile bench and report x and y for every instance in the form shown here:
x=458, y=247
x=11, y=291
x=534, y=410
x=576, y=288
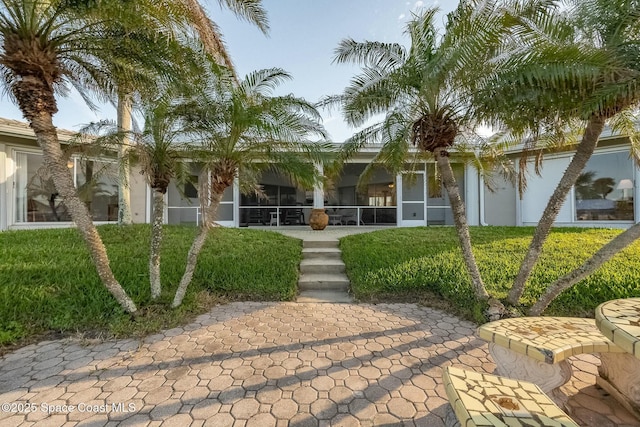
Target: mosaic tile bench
x=535, y=349
x=487, y=400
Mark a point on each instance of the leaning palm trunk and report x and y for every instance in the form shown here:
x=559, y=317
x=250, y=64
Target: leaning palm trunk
x=583, y=154
x=124, y=127
x=47, y=138
x=156, y=243
x=460, y=220
x=210, y=212
x=603, y=255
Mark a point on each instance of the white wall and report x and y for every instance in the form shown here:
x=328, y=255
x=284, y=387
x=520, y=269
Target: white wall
x=540, y=189
x=500, y=205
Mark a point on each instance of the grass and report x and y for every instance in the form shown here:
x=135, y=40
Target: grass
x=49, y=285
x=426, y=263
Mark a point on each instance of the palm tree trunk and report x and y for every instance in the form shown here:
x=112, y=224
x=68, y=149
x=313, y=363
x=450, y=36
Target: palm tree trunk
x=42, y=125
x=156, y=243
x=460, y=220
x=196, y=247
x=583, y=154
x=124, y=126
x=603, y=255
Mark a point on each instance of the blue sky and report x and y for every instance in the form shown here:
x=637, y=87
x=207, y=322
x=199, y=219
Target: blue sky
x=303, y=36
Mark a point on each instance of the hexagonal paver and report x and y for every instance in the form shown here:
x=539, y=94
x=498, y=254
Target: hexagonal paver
x=245, y=409
x=284, y=409
x=220, y=420
x=401, y=408
x=269, y=395
x=275, y=372
x=341, y=395
x=304, y=395
x=261, y=420
x=271, y=365
x=324, y=409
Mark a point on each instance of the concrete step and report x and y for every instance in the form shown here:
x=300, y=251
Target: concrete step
x=316, y=281
x=333, y=243
x=321, y=265
x=317, y=296
x=322, y=253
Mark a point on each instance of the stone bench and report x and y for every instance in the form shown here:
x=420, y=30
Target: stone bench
x=536, y=349
x=488, y=400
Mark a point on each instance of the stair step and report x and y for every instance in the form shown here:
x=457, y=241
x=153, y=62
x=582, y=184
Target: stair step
x=323, y=281
x=321, y=243
x=321, y=265
x=327, y=253
x=317, y=296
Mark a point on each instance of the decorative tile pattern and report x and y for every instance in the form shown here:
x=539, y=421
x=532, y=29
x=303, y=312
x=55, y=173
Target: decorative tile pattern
x=619, y=320
x=548, y=339
x=269, y=364
x=487, y=400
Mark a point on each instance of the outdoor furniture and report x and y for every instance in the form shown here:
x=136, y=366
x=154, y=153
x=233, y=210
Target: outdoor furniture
x=273, y=220
x=350, y=217
x=294, y=216
x=535, y=349
x=619, y=321
x=335, y=219
x=488, y=400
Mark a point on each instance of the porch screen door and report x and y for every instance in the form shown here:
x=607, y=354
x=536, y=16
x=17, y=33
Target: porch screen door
x=413, y=199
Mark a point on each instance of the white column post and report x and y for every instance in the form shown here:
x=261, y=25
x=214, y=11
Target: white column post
x=636, y=193
x=318, y=190
x=518, y=199
x=3, y=188
x=236, y=201
x=399, y=200
x=472, y=194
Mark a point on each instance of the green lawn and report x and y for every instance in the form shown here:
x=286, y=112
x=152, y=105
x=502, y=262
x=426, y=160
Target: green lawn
x=48, y=284
x=426, y=264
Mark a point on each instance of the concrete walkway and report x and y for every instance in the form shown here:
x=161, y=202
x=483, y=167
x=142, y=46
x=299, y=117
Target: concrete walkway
x=268, y=364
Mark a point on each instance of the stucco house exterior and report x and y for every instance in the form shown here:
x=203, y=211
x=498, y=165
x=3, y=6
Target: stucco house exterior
x=604, y=196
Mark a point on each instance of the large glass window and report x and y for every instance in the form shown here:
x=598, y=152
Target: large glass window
x=97, y=183
x=438, y=207
x=604, y=190
x=36, y=199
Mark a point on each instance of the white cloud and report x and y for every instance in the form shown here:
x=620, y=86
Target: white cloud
x=401, y=17
x=418, y=5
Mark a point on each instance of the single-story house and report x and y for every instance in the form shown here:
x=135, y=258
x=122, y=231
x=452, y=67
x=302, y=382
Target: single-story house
x=604, y=195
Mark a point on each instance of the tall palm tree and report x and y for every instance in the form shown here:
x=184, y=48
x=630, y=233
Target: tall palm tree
x=423, y=93
x=49, y=45
x=192, y=15
x=574, y=59
x=241, y=130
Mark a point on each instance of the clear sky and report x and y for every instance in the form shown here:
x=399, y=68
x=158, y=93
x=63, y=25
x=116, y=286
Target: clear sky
x=303, y=36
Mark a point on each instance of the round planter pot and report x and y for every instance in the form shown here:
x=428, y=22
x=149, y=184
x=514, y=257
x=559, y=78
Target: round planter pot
x=318, y=219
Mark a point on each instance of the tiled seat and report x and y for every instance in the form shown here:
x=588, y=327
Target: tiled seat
x=535, y=349
x=488, y=400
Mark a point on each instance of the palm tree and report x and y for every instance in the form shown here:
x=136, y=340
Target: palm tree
x=49, y=45
x=571, y=60
x=423, y=93
x=162, y=156
x=161, y=153
x=242, y=129
x=192, y=15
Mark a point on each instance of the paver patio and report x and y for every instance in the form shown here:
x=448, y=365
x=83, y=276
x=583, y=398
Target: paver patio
x=269, y=364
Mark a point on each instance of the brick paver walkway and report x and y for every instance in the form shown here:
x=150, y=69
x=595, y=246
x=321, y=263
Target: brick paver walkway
x=267, y=364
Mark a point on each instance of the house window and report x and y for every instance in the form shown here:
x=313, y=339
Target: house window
x=190, y=187
x=36, y=198
x=97, y=184
x=604, y=191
